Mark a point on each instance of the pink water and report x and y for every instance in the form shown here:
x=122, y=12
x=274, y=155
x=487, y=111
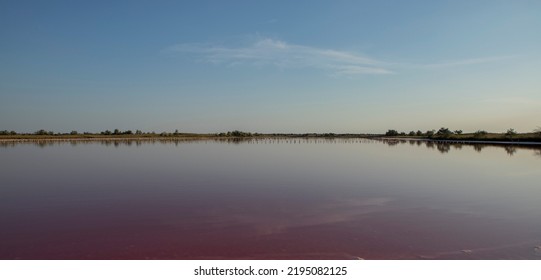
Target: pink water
x=269, y=199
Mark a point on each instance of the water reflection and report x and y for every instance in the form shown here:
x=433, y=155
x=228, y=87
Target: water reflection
x=138, y=142
x=442, y=147
x=478, y=147
x=268, y=198
x=510, y=150
x=445, y=147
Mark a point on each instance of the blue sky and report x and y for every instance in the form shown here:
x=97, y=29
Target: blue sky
x=270, y=66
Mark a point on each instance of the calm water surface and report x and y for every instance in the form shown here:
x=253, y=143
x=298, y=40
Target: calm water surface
x=269, y=199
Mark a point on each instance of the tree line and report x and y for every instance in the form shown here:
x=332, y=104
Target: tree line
x=235, y=133
x=445, y=132
x=442, y=132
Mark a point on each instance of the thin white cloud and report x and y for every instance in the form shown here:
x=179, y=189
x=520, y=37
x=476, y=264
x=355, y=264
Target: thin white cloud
x=281, y=54
x=454, y=63
x=471, y=61
x=271, y=52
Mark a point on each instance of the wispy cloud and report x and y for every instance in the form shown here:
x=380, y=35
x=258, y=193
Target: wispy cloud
x=277, y=53
x=281, y=54
x=463, y=62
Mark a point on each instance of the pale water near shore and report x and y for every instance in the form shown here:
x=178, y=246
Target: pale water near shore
x=269, y=199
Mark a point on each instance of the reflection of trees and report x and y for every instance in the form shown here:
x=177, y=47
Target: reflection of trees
x=43, y=144
x=478, y=147
x=443, y=147
x=457, y=146
x=176, y=141
x=510, y=150
x=391, y=142
x=235, y=141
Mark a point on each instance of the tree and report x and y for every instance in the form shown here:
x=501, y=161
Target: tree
x=138, y=132
x=237, y=133
x=41, y=132
x=510, y=133
x=116, y=132
x=74, y=132
x=430, y=133
x=419, y=133
x=444, y=131
x=391, y=132
x=538, y=130
x=412, y=133
x=458, y=132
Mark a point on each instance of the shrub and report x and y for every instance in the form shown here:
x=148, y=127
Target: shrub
x=510, y=133
x=480, y=133
x=444, y=131
x=237, y=133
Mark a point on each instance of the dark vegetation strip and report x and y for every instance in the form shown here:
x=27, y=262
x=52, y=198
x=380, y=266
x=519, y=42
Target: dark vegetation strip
x=443, y=134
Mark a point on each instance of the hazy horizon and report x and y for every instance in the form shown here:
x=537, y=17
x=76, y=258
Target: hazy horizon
x=275, y=67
